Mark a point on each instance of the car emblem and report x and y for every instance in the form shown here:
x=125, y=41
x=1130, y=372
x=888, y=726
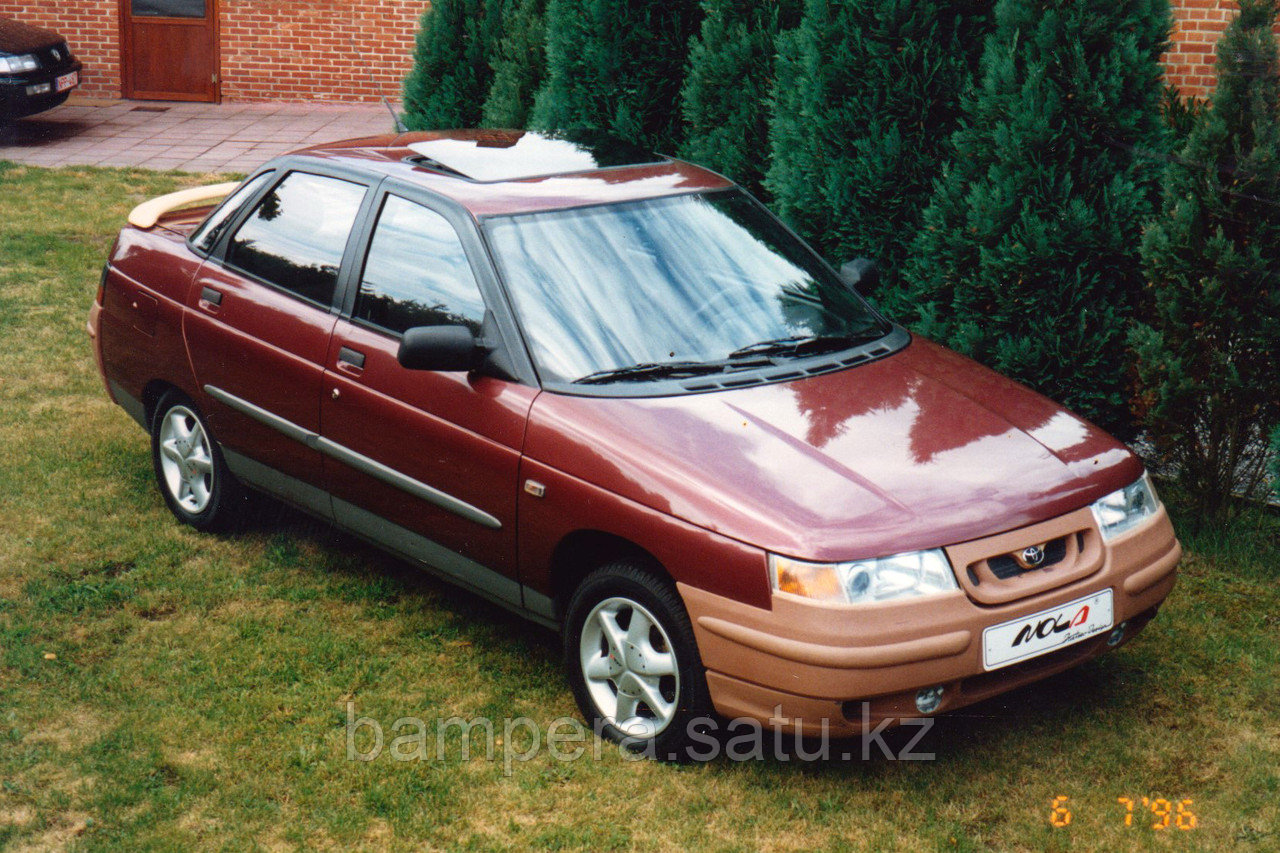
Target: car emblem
x=1029, y=558
x=57, y=55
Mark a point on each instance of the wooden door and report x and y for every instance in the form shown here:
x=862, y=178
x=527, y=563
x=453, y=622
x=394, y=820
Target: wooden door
x=170, y=49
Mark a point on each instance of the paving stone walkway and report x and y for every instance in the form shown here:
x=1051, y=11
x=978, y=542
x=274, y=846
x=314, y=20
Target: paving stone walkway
x=187, y=137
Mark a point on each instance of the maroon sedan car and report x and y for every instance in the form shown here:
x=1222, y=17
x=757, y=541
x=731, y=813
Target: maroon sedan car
x=610, y=391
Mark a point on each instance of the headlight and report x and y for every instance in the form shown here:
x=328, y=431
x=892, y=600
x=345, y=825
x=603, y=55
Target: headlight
x=1127, y=508
x=18, y=64
x=863, y=581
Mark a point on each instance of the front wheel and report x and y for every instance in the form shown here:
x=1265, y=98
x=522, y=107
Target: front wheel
x=633, y=663
x=190, y=471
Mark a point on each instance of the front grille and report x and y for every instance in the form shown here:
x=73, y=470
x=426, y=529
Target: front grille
x=1005, y=566
x=990, y=569
x=55, y=57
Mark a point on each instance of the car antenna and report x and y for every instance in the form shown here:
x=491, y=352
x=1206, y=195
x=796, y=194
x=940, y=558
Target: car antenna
x=399, y=125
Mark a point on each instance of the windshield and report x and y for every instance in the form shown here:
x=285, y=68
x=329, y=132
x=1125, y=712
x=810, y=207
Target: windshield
x=691, y=279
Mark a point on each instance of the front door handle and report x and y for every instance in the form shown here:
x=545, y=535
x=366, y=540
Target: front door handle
x=351, y=361
x=210, y=298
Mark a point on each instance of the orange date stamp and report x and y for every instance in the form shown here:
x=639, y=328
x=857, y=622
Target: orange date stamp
x=1163, y=813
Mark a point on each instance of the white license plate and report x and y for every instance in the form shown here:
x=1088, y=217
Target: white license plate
x=66, y=81
x=1030, y=636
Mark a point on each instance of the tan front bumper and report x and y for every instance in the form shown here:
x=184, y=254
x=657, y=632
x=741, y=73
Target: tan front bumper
x=804, y=662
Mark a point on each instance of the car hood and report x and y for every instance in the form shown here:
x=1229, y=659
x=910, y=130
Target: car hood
x=920, y=449
x=17, y=37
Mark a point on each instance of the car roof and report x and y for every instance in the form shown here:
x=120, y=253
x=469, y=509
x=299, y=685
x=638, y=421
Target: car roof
x=497, y=172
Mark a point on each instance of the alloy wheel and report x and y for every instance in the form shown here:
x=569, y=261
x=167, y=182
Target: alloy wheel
x=630, y=669
x=186, y=459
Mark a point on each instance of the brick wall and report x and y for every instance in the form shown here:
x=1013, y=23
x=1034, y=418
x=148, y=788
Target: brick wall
x=1198, y=23
x=91, y=27
x=302, y=50
x=323, y=50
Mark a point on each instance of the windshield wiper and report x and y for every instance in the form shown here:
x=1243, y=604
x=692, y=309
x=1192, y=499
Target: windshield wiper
x=805, y=344
x=651, y=370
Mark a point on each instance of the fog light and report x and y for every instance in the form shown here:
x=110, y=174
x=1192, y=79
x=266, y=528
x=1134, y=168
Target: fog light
x=928, y=700
x=40, y=89
x=1117, y=634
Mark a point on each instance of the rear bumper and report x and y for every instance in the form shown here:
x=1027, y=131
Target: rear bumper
x=812, y=665
x=18, y=100
x=94, y=328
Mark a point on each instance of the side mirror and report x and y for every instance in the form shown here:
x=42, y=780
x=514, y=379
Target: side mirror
x=440, y=348
x=861, y=274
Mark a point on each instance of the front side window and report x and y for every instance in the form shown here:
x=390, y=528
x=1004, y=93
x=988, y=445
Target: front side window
x=207, y=236
x=296, y=236
x=703, y=280
x=417, y=273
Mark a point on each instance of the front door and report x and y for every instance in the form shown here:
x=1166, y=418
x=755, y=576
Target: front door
x=170, y=49
x=435, y=454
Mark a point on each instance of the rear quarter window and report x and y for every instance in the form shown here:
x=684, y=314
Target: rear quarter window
x=206, y=237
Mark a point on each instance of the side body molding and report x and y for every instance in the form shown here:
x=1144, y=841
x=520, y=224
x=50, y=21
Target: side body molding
x=372, y=467
x=376, y=530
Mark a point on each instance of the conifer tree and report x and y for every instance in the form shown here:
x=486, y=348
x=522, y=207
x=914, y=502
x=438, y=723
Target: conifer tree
x=519, y=66
x=451, y=74
x=725, y=98
x=1028, y=258
x=793, y=161
x=616, y=66
x=1208, y=344
x=1275, y=464
x=868, y=93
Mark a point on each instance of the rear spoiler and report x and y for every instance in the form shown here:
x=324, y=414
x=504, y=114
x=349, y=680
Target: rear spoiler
x=148, y=213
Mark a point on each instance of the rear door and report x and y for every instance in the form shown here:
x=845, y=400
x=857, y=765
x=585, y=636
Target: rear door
x=260, y=316
x=436, y=454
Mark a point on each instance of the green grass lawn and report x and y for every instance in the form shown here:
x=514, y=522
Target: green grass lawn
x=162, y=689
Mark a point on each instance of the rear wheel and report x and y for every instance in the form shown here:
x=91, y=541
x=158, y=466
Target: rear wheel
x=633, y=662
x=189, y=468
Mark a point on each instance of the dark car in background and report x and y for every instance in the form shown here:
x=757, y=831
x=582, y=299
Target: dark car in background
x=37, y=69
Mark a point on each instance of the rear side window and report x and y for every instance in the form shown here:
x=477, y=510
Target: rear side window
x=296, y=236
x=417, y=273
x=207, y=237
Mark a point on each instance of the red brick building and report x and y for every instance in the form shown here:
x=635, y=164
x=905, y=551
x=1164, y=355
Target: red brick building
x=342, y=50
x=234, y=50
x=1189, y=65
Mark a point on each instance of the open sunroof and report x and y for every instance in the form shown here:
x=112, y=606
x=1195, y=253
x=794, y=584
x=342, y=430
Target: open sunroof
x=488, y=156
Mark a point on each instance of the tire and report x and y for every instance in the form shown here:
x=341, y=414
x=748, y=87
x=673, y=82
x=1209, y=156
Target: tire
x=645, y=689
x=190, y=471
